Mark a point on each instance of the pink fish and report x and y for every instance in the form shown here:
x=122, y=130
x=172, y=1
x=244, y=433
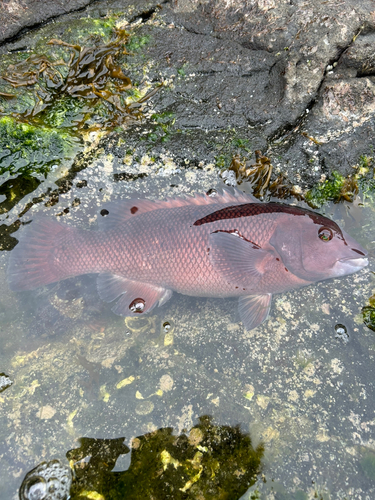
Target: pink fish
x=222, y=246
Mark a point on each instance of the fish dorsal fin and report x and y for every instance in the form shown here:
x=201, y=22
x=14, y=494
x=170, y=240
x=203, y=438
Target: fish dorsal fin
x=254, y=309
x=114, y=213
x=239, y=261
x=136, y=298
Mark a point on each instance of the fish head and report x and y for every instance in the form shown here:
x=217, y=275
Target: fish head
x=314, y=247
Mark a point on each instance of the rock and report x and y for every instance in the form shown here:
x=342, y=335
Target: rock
x=18, y=16
x=271, y=70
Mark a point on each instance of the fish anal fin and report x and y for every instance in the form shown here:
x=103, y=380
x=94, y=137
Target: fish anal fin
x=239, y=261
x=135, y=298
x=254, y=309
x=114, y=213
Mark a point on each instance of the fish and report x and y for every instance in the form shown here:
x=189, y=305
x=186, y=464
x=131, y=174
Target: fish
x=226, y=245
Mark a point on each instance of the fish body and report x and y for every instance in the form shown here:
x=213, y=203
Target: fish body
x=223, y=246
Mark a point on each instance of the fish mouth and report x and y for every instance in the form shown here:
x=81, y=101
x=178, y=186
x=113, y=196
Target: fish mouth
x=355, y=260
x=351, y=265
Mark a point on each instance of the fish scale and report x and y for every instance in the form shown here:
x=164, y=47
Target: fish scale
x=222, y=247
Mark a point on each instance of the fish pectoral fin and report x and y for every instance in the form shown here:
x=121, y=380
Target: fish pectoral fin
x=254, y=309
x=239, y=261
x=135, y=297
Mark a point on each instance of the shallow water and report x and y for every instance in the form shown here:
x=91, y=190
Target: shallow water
x=299, y=385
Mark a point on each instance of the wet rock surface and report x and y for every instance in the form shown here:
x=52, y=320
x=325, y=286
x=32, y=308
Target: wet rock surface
x=16, y=16
x=294, y=79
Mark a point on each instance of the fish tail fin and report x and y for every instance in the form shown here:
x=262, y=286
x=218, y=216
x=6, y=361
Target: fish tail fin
x=31, y=261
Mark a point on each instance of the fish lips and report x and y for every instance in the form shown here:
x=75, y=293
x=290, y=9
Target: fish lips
x=356, y=258
x=350, y=266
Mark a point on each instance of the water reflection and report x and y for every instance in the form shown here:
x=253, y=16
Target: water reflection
x=210, y=462
x=5, y=382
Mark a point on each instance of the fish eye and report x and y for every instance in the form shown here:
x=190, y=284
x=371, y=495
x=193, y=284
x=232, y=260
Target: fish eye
x=325, y=234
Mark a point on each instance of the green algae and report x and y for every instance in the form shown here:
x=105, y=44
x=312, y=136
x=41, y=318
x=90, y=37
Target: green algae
x=329, y=190
x=163, y=123
x=137, y=42
x=26, y=149
x=337, y=187
x=368, y=314
x=212, y=462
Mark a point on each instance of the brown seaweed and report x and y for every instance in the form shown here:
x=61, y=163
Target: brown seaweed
x=92, y=73
x=258, y=174
x=282, y=188
x=315, y=141
x=349, y=190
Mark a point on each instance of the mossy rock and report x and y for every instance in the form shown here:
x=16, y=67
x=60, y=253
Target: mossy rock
x=26, y=149
x=368, y=314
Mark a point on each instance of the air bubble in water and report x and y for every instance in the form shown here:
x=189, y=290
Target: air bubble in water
x=211, y=192
x=48, y=481
x=341, y=333
x=137, y=306
x=167, y=327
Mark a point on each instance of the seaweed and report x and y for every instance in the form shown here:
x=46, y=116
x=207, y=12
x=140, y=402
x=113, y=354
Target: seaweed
x=282, y=188
x=212, y=462
x=26, y=149
x=91, y=74
x=259, y=175
x=368, y=314
x=61, y=97
x=335, y=188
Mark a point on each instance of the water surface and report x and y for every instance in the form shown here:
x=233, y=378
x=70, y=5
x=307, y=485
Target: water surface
x=300, y=385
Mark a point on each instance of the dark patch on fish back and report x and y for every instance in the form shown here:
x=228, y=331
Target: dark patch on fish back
x=253, y=209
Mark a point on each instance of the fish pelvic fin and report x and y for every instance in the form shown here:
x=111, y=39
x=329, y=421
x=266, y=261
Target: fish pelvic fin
x=135, y=298
x=254, y=309
x=31, y=261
